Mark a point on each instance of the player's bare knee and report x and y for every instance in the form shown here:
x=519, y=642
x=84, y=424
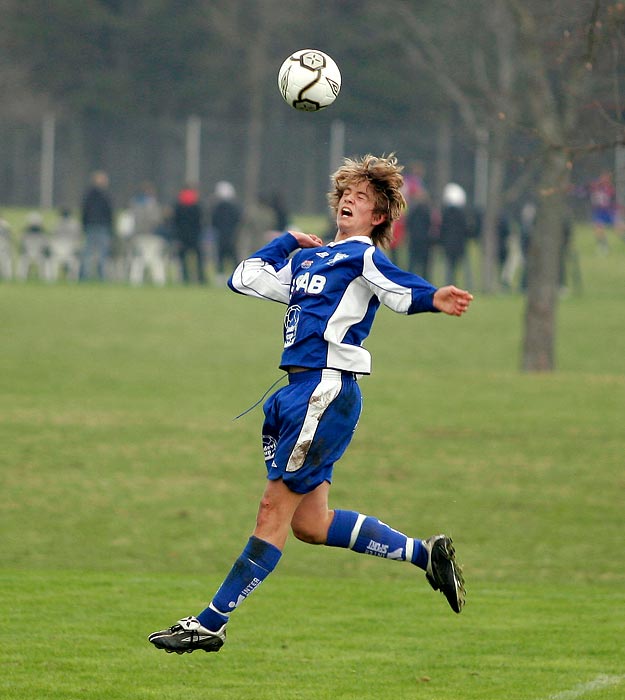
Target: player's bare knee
x=304, y=532
x=304, y=535
x=267, y=511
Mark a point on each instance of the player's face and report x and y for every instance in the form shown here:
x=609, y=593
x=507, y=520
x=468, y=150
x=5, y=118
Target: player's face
x=355, y=215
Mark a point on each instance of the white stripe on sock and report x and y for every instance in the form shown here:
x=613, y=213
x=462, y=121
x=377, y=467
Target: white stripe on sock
x=356, y=531
x=409, y=548
x=219, y=612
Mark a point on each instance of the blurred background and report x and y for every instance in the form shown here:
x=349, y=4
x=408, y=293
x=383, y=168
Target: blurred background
x=510, y=112
x=186, y=91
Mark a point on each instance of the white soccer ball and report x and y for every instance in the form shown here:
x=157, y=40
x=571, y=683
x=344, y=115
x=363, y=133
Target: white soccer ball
x=309, y=80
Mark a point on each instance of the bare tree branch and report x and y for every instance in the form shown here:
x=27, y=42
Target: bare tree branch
x=591, y=35
x=427, y=55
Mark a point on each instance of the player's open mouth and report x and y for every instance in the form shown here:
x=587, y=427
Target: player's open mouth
x=345, y=211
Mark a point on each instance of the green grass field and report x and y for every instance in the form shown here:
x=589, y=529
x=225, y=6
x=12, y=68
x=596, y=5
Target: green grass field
x=127, y=490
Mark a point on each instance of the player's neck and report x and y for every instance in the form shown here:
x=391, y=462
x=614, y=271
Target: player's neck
x=344, y=235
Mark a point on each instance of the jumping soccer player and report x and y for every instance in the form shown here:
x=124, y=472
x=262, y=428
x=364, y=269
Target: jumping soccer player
x=332, y=293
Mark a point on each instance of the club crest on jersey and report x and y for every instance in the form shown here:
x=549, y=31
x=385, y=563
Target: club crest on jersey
x=291, y=321
x=306, y=264
x=337, y=257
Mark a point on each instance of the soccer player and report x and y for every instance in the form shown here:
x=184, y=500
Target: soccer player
x=332, y=293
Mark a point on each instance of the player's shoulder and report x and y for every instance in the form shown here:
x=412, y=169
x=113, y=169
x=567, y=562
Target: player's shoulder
x=379, y=254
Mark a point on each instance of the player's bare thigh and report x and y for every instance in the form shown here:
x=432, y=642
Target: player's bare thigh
x=275, y=512
x=312, y=518
x=282, y=509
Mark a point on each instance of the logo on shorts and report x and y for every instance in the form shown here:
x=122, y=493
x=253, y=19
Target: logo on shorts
x=291, y=321
x=269, y=447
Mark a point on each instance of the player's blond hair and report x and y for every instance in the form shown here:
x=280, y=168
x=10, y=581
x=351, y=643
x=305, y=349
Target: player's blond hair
x=384, y=174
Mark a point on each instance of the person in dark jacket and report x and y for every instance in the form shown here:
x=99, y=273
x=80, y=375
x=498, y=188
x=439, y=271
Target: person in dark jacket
x=454, y=229
x=187, y=230
x=226, y=219
x=97, y=223
x=418, y=233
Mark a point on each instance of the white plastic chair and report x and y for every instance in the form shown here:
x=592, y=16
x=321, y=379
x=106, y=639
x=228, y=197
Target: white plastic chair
x=34, y=254
x=63, y=256
x=149, y=255
x=6, y=257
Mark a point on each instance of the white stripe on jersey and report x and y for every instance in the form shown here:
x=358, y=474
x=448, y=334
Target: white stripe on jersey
x=258, y=278
x=323, y=395
x=391, y=294
x=351, y=310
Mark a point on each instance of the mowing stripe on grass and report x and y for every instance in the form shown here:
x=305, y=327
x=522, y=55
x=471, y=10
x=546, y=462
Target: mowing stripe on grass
x=582, y=689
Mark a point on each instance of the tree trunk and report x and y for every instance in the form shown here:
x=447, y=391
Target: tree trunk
x=543, y=265
x=496, y=176
x=257, y=71
x=443, y=155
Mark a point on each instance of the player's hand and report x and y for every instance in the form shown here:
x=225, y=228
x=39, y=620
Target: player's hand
x=306, y=240
x=451, y=300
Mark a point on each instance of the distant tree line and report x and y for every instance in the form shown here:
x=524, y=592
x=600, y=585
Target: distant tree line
x=537, y=86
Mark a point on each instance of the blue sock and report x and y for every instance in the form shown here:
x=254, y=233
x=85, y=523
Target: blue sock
x=257, y=561
x=367, y=535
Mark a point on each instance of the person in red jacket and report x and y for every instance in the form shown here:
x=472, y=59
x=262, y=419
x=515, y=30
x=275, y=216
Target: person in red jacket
x=187, y=229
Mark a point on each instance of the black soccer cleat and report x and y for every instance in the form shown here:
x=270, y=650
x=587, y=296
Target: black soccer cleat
x=443, y=572
x=187, y=635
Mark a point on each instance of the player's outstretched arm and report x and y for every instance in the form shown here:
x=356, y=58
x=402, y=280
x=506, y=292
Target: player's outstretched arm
x=306, y=240
x=451, y=300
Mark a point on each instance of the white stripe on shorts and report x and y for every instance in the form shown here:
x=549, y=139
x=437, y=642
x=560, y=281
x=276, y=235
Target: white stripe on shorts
x=324, y=394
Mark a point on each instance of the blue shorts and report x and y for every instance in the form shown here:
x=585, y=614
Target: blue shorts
x=308, y=425
x=602, y=216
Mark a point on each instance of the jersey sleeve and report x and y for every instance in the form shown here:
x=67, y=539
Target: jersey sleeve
x=266, y=274
x=403, y=292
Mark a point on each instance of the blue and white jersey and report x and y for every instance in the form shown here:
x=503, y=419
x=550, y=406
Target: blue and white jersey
x=332, y=293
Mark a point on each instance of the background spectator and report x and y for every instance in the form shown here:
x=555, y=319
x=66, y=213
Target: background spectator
x=97, y=222
x=454, y=229
x=418, y=233
x=187, y=228
x=225, y=221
